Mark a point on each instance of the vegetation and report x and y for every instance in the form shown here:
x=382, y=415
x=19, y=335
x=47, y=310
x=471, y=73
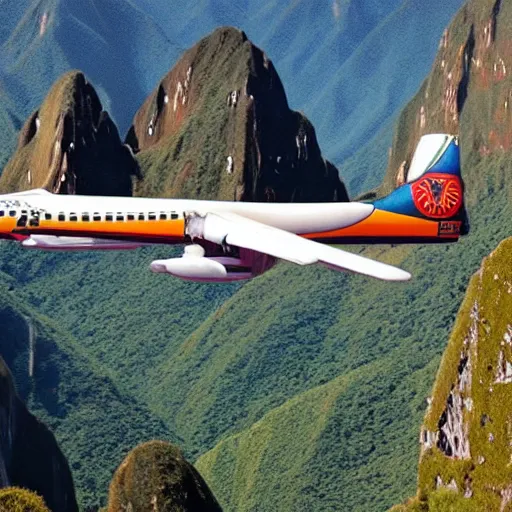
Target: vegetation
x=92, y=421
x=13, y=499
x=242, y=377
x=156, y=475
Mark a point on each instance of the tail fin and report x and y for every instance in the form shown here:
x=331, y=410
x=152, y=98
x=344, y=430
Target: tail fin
x=434, y=189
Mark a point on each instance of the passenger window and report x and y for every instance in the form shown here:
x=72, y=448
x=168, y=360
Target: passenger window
x=48, y=216
x=130, y=216
x=109, y=217
x=152, y=216
x=141, y=216
x=163, y=216
x=73, y=217
x=174, y=216
x=12, y=213
x=96, y=217
x=120, y=216
x=86, y=217
x=2, y=213
x=62, y=216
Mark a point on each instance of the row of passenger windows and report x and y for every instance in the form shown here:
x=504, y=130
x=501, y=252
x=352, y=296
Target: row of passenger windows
x=109, y=216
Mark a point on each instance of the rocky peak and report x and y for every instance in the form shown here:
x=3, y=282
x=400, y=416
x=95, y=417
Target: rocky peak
x=218, y=126
x=469, y=90
x=70, y=145
x=466, y=438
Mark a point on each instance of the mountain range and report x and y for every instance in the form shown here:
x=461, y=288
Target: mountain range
x=303, y=389
x=125, y=47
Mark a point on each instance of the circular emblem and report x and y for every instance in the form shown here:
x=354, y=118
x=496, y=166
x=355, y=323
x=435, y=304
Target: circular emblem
x=437, y=196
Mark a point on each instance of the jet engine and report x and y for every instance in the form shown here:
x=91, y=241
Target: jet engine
x=194, y=265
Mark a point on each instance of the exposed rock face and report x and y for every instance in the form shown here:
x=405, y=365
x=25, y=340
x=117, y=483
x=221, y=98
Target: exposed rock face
x=156, y=476
x=218, y=126
x=71, y=146
x=29, y=455
x=469, y=91
x=467, y=433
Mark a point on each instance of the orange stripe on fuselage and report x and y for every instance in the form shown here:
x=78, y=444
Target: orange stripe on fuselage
x=383, y=224
x=172, y=229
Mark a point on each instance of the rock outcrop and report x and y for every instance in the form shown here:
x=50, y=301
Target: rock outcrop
x=71, y=146
x=469, y=91
x=218, y=126
x=156, y=476
x=467, y=433
x=29, y=455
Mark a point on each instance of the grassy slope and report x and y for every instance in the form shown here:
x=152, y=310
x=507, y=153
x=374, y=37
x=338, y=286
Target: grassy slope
x=94, y=424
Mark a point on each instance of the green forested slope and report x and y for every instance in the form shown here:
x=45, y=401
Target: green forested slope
x=94, y=423
x=289, y=331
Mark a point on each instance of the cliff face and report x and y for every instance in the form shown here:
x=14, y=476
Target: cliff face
x=466, y=438
x=218, y=126
x=156, y=476
x=29, y=454
x=70, y=146
x=468, y=91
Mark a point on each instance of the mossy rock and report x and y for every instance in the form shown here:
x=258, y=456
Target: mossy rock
x=14, y=499
x=156, y=476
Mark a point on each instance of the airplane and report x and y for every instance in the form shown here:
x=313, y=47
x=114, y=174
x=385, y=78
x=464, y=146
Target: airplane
x=231, y=241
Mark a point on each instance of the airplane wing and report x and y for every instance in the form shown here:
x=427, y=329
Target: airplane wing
x=235, y=230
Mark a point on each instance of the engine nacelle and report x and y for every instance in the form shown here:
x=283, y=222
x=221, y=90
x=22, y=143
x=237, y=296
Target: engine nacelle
x=195, y=266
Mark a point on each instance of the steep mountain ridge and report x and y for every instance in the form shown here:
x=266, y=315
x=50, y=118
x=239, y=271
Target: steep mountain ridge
x=23, y=438
x=70, y=145
x=218, y=126
x=465, y=438
x=306, y=41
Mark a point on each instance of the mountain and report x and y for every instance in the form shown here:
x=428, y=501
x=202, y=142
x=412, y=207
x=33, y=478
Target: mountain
x=109, y=41
x=40, y=40
x=70, y=145
x=379, y=51
x=239, y=371
x=465, y=437
x=94, y=424
x=218, y=126
x=29, y=454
